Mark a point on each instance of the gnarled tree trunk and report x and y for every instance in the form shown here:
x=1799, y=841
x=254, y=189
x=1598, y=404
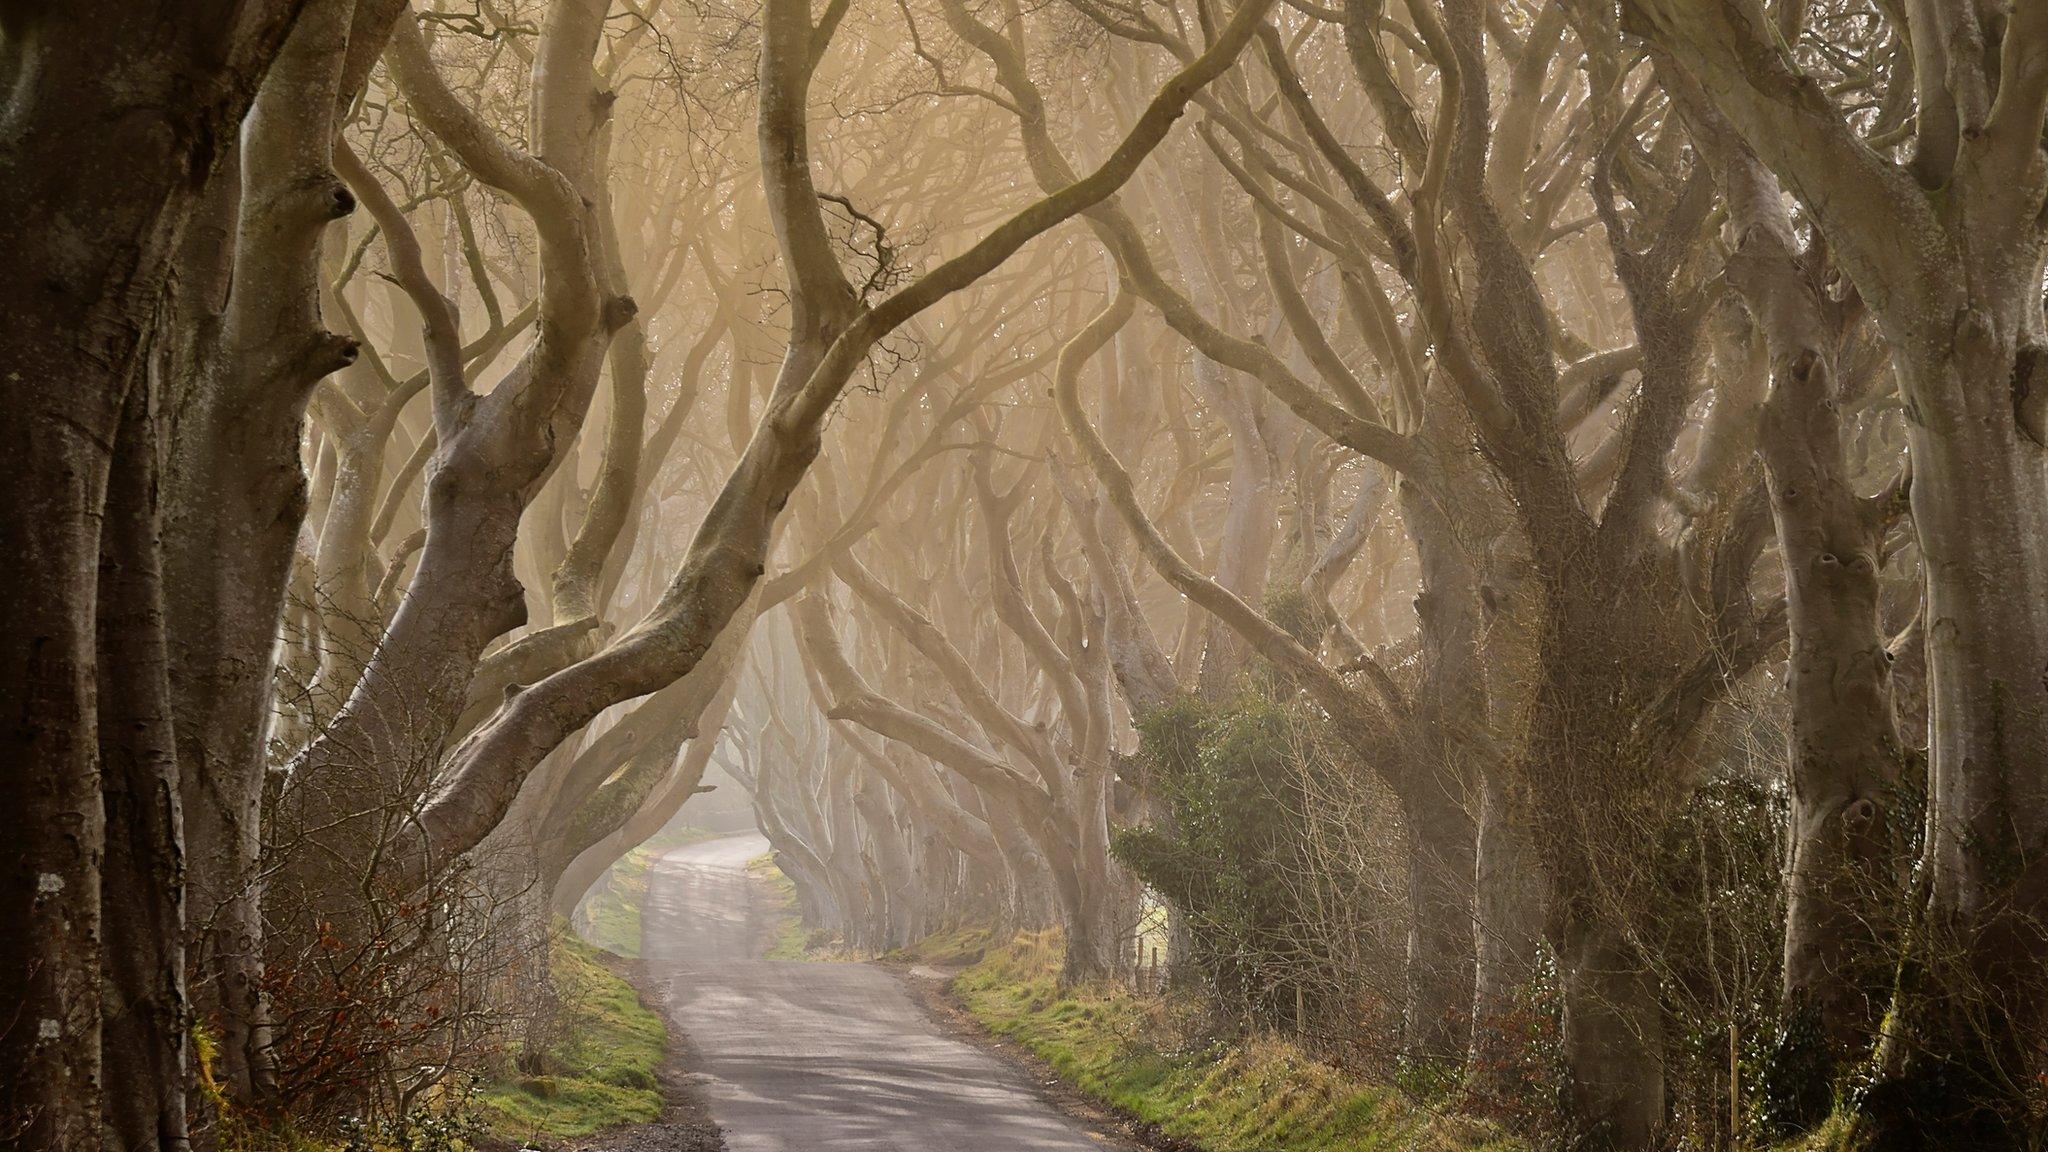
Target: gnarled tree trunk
x=94, y=207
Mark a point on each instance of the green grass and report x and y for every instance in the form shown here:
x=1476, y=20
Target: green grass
x=1253, y=1095
x=792, y=940
x=613, y=913
x=954, y=948
x=1833, y=1135
x=601, y=1072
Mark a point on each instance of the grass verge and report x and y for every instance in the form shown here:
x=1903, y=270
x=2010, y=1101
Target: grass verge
x=792, y=940
x=1258, y=1094
x=601, y=1070
x=610, y=916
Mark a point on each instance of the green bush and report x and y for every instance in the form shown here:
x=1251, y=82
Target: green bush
x=1274, y=925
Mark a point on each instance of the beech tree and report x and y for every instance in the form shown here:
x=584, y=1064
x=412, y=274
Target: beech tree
x=1504, y=540
x=1940, y=233
x=832, y=332
x=101, y=200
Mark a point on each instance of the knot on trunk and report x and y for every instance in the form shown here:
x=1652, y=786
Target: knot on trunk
x=1806, y=364
x=1975, y=334
x=619, y=311
x=2030, y=392
x=325, y=354
x=340, y=201
x=314, y=199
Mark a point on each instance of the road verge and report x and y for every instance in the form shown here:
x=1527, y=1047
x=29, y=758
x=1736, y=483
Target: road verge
x=1142, y=1066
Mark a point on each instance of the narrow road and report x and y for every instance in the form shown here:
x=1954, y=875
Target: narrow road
x=804, y=1057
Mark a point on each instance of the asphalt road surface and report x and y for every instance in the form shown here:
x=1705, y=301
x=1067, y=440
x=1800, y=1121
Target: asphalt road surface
x=804, y=1057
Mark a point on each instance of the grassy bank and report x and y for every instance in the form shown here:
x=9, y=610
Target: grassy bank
x=611, y=914
x=599, y=1071
x=1131, y=1053
x=792, y=941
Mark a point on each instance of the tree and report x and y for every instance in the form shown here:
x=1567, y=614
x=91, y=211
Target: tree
x=832, y=333
x=99, y=201
x=1945, y=246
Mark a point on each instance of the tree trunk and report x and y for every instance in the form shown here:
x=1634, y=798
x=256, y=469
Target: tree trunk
x=1613, y=1040
x=1980, y=507
x=576, y=581
x=1948, y=252
x=93, y=210
x=50, y=1057
x=1028, y=897
x=1445, y=745
x=144, y=1015
x=1093, y=951
x=1511, y=900
x=1437, y=1013
x=903, y=893
x=235, y=497
x=653, y=815
x=496, y=449
x=1848, y=823
x=1844, y=879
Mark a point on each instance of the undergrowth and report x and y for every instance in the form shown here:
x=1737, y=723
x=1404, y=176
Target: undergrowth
x=599, y=1072
x=609, y=916
x=1144, y=1057
x=792, y=940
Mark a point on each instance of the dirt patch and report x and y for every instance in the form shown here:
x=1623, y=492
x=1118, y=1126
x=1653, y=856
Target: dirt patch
x=932, y=989
x=685, y=1124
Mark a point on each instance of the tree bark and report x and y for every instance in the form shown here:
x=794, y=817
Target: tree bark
x=1437, y=812
x=235, y=495
x=652, y=816
x=145, y=1018
x=90, y=219
x=1948, y=252
x=1850, y=810
x=596, y=799
x=1613, y=1040
x=577, y=580
x=495, y=449
x=1511, y=902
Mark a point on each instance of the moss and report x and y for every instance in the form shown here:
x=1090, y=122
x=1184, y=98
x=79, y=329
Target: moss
x=602, y=1070
x=1256, y=1095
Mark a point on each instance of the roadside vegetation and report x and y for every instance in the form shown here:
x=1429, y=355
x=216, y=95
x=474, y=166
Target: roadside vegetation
x=1151, y=1058
x=595, y=1065
x=592, y=1063
x=793, y=939
x=609, y=917
x=594, y=1069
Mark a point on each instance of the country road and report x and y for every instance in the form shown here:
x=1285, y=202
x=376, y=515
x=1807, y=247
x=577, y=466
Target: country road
x=806, y=1057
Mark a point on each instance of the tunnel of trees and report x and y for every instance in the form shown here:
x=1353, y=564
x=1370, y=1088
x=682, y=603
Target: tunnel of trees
x=1516, y=529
